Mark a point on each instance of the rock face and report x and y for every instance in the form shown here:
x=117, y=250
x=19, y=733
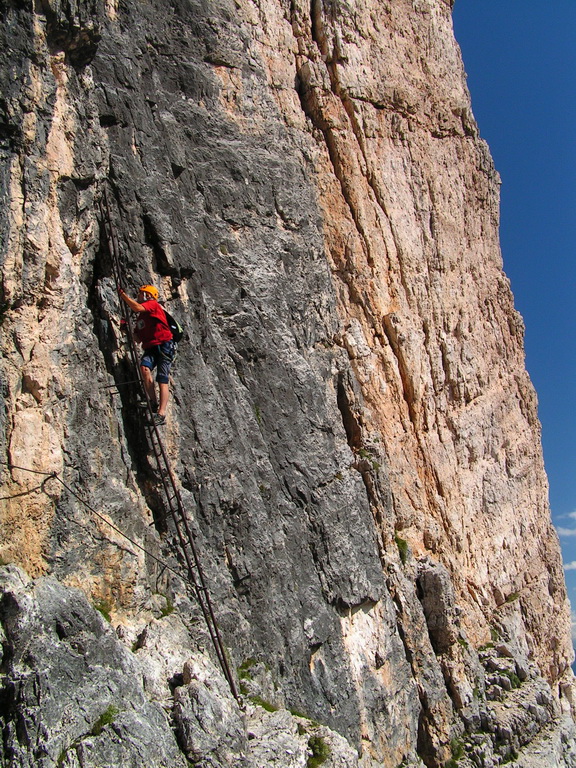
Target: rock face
x=352, y=428
x=69, y=678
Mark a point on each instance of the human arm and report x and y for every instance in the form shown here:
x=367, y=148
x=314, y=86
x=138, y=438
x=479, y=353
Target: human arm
x=134, y=305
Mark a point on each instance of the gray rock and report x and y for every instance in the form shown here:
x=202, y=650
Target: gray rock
x=208, y=721
x=278, y=178
x=438, y=602
x=281, y=740
x=72, y=693
x=273, y=740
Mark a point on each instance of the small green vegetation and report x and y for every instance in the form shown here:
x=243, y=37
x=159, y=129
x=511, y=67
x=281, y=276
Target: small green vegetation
x=168, y=608
x=367, y=456
x=320, y=751
x=244, y=669
x=510, y=757
x=402, y=545
x=512, y=597
x=258, y=415
x=494, y=634
x=485, y=647
x=104, y=607
x=259, y=701
x=105, y=719
x=297, y=713
x=457, y=749
x=463, y=642
x=513, y=677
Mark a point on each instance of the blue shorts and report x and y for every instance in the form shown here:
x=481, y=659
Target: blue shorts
x=161, y=357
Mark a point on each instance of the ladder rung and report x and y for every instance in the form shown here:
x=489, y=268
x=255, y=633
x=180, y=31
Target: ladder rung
x=155, y=445
x=176, y=514
x=179, y=520
x=183, y=521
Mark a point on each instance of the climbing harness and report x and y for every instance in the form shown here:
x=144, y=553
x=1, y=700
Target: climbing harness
x=169, y=484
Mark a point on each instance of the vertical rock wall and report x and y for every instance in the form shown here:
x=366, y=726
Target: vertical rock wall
x=351, y=423
x=429, y=319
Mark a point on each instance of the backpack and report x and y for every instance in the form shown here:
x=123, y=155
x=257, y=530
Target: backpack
x=175, y=327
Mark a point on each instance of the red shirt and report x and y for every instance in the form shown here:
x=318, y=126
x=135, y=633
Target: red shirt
x=151, y=325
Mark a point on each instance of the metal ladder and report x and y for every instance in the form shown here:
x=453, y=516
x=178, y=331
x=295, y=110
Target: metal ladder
x=169, y=483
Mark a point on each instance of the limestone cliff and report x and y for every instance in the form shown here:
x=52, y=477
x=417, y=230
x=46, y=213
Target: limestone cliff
x=351, y=424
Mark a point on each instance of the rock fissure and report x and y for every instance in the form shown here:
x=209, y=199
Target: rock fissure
x=351, y=415
x=312, y=108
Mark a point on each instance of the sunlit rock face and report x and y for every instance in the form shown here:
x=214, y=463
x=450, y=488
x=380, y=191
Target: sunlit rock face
x=351, y=424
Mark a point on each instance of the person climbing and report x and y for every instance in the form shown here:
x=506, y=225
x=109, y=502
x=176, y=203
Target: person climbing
x=155, y=336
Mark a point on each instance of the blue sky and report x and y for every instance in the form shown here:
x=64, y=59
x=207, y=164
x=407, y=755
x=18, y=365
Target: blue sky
x=520, y=58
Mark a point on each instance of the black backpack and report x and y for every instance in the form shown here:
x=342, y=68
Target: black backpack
x=175, y=327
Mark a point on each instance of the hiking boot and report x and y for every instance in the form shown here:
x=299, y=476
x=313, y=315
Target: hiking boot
x=159, y=420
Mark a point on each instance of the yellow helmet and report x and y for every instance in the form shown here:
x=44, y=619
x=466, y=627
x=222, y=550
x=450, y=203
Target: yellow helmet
x=151, y=290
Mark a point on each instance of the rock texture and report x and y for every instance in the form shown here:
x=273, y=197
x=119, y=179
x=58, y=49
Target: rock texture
x=71, y=693
x=352, y=427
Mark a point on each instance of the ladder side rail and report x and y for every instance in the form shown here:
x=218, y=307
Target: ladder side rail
x=201, y=596
x=155, y=441
x=159, y=463
x=167, y=476
x=181, y=523
x=194, y=568
x=113, y=246
x=218, y=641
x=114, y=250
x=187, y=540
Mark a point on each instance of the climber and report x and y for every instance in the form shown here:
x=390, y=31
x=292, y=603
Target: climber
x=153, y=332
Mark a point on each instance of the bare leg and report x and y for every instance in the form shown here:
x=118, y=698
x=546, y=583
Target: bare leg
x=163, y=399
x=148, y=383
